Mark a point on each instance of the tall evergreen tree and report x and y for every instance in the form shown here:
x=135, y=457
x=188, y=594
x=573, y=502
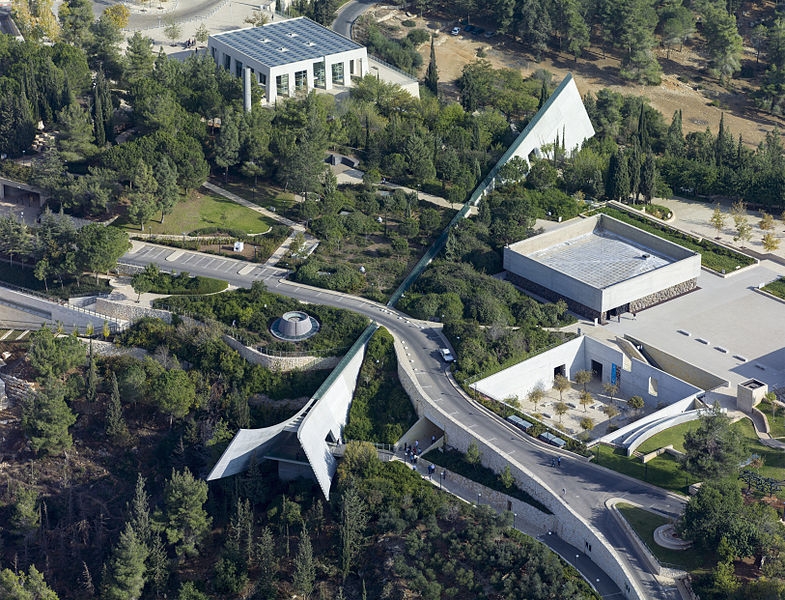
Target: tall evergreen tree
x=127, y=569
x=674, y=140
x=46, y=419
x=304, y=566
x=354, y=518
x=648, y=177
x=431, y=75
x=187, y=521
x=116, y=428
x=617, y=186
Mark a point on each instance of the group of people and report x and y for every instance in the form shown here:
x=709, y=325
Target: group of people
x=190, y=43
x=412, y=452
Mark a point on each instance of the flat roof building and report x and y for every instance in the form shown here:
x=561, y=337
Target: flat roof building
x=602, y=267
x=287, y=57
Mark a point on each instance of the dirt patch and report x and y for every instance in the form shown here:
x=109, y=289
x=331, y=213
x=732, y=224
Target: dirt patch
x=684, y=84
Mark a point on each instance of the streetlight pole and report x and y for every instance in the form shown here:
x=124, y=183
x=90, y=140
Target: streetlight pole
x=514, y=516
x=479, y=498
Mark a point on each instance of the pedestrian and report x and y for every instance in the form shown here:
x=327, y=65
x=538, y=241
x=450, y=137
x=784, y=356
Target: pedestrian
x=433, y=440
x=444, y=474
x=559, y=461
x=564, y=491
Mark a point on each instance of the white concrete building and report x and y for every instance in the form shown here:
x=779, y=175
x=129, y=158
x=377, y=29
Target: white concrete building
x=287, y=57
x=602, y=267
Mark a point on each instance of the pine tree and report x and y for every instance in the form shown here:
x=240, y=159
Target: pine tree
x=127, y=568
x=46, y=419
x=304, y=567
x=187, y=521
x=432, y=76
x=140, y=511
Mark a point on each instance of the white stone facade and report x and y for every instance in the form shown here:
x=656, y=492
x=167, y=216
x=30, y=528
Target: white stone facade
x=290, y=57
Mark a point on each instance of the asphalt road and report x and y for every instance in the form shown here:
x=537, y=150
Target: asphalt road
x=588, y=485
x=348, y=14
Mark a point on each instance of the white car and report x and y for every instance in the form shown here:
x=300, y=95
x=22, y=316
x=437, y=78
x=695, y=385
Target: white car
x=446, y=354
x=455, y=31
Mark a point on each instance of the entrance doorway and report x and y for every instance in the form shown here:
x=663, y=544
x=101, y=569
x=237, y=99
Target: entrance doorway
x=560, y=370
x=596, y=370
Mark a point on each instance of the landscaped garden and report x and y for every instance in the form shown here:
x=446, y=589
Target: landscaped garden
x=776, y=288
x=204, y=209
x=666, y=471
x=645, y=522
x=713, y=256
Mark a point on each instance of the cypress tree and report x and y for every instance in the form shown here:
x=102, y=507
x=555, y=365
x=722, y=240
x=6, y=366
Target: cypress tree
x=648, y=177
x=431, y=75
x=617, y=186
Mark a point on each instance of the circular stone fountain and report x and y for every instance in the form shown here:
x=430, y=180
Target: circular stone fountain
x=294, y=326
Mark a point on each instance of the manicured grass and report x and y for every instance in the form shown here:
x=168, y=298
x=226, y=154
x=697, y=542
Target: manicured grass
x=674, y=435
x=663, y=471
x=776, y=287
x=777, y=422
x=773, y=459
x=713, y=256
x=205, y=210
x=265, y=196
x=644, y=523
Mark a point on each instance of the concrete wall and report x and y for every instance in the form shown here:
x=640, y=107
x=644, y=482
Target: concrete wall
x=563, y=116
x=682, y=369
x=639, y=292
x=680, y=412
x=522, y=378
x=570, y=527
x=330, y=413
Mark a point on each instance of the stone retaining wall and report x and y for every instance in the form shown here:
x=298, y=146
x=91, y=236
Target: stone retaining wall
x=668, y=293
x=567, y=525
x=129, y=312
x=281, y=363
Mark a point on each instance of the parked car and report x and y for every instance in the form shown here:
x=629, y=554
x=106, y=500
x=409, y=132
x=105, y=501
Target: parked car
x=490, y=34
x=469, y=28
x=478, y=31
x=455, y=31
x=446, y=354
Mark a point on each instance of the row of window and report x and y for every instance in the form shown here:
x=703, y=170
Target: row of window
x=300, y=77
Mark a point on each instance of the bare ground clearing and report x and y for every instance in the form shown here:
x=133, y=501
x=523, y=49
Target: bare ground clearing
x=593, y=72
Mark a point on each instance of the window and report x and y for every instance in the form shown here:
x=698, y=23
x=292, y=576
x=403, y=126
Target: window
x=351, y=67
x=227, y=62
x=319, y=74
x=301, y=80
x=238, y=68
x=282, y=84
x=337, y=71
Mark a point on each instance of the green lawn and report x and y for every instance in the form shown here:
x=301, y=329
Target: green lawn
x=776, y=287
x=665, y=470
x=644, y=523
x=777, y=423
x=674, y=435
x=205, y=210
x=264, y=196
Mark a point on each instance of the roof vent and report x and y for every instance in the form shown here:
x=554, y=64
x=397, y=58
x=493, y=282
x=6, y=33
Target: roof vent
x=292, y=34
x=282, y=49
